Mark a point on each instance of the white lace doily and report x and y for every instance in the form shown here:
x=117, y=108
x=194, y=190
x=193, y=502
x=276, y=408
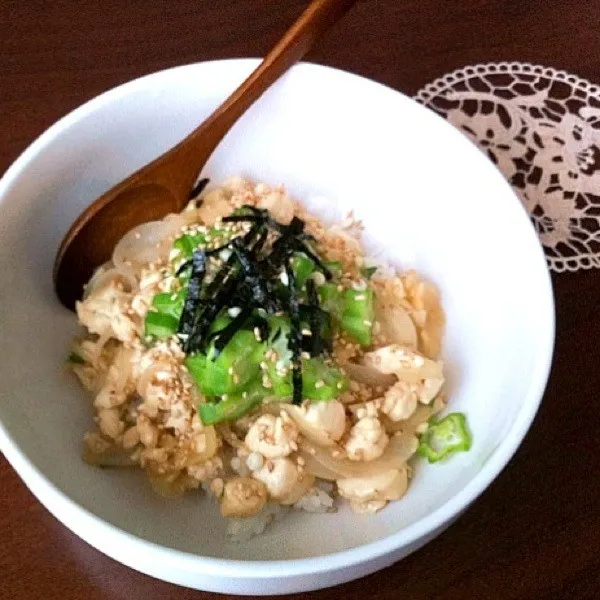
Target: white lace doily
x=542, y=129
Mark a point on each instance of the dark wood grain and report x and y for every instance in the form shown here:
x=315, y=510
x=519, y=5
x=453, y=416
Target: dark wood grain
x=535, y=533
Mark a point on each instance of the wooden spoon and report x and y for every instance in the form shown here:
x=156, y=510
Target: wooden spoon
x=164, y=185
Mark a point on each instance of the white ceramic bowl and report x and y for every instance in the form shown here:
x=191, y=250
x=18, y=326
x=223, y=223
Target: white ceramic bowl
x=425, y=194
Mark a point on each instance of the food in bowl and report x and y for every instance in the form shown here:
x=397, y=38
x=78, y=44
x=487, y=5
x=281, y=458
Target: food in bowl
x=248, y=349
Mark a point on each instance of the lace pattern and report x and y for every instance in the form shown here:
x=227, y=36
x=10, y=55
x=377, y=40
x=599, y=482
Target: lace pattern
x=542, y=129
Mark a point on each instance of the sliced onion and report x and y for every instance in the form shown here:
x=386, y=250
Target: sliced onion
x=321, y=463
x=211, y=446
x=106, y=274
x=122, y=363
x=368, y=375
x=97, y=279
x=397, y=326
x=114, y=456
x=402, y=446
x=147, y=376
x=325, y=431
x=396, y=359
x=146, y=243
x=422, y=414
x=430, y=370
x=313, y=465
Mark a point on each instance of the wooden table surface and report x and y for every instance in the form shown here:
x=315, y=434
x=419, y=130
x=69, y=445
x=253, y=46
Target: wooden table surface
x=535, y=533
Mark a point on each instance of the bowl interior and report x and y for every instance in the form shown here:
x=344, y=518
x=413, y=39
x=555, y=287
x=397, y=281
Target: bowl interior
x=428, y=200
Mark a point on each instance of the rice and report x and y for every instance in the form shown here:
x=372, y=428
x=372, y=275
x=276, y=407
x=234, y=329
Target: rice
x=315, y=501
x=242, y=530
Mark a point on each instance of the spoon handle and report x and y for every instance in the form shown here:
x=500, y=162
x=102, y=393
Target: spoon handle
x=296, y=42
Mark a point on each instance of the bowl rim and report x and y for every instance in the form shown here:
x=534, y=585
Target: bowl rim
x=52, y=497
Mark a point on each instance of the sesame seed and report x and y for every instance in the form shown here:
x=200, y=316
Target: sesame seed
x=319, y=384
x=306, y=332
x=367, y=323
x=318, y=278
x=305, y=355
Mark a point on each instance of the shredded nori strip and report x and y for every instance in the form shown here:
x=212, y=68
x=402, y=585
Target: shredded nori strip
x=216, y=297
x=198, y=188
x=199, y=338
x=283, y=247
x=224, y=335
x=243, y=218
x=295, y=339
x=255, y=280
x=192, y=299
x=277, y=335
x=317, y=345
x=184, y=267
x=251, y=278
